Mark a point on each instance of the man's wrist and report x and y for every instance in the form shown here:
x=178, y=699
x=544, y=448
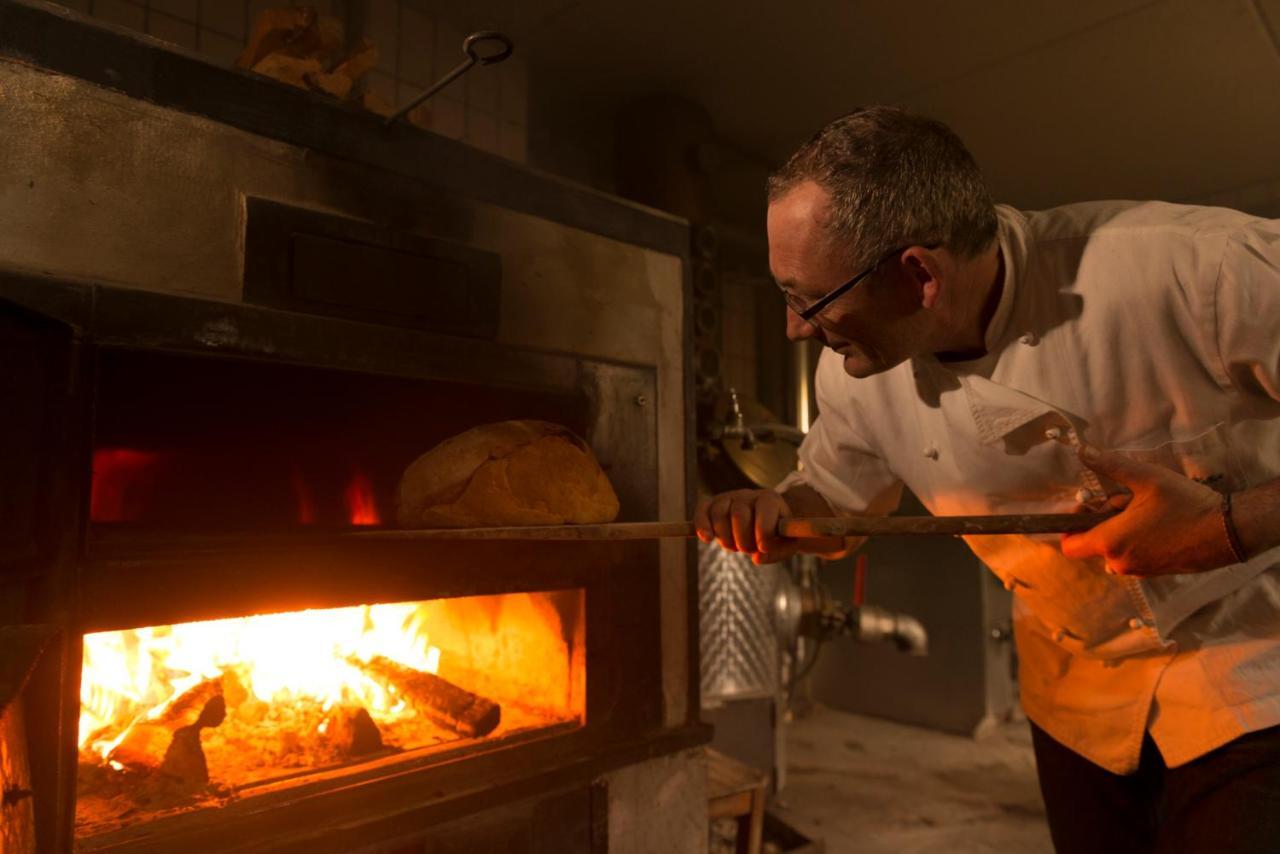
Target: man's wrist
x=1255, y=516
x=1230, y=531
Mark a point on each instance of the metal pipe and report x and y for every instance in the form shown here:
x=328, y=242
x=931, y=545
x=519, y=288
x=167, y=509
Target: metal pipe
x=870, y=624
x=802, y=365
x=811, y=613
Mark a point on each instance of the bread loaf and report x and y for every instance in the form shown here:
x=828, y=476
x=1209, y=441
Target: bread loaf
x=508, y=473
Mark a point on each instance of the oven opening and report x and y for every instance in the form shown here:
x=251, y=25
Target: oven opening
x=200, y=445
x=196, y=715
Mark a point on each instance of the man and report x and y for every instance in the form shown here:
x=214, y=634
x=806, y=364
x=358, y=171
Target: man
x=1118, y=355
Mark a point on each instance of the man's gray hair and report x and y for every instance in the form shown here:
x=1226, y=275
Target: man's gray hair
x=895, y=178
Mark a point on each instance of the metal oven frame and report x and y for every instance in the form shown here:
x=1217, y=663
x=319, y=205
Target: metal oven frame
x=85, y=582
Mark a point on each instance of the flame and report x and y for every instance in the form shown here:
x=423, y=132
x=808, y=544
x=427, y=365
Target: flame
x=360, y=503
x=133, y=675
x=115, y=470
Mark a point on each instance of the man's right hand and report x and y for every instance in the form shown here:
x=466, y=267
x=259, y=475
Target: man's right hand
x=746, y=520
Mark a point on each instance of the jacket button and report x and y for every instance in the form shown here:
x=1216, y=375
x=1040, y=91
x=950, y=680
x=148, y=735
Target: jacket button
x=1011, y=583
x=1059, y=636
x=1053, y=434
x=931, y=453
x=1028, y=338
x=1137, y=623
x=1084, y=495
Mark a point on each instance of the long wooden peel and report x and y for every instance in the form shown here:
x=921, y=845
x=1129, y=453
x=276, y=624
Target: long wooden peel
x=952, y=526
x=856, y=526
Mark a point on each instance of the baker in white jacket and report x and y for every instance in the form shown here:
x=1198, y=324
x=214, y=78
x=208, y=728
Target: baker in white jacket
x=1121, y=355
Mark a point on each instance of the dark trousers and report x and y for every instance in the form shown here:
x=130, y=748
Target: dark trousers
x=1226, y=801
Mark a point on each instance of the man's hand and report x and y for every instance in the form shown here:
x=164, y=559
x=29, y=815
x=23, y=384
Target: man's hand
x=746, y=520
x=1168, y=523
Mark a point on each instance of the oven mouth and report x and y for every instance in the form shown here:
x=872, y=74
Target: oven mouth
x=195, y=716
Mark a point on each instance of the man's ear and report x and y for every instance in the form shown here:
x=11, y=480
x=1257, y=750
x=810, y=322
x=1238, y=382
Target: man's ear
x=925, y=270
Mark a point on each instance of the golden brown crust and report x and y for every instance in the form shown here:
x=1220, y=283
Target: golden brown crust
x=508, y=473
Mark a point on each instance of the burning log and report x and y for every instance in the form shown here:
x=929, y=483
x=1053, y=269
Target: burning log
x=170, y=742
x=184, y=759
x=352, y=732
x=437, y=699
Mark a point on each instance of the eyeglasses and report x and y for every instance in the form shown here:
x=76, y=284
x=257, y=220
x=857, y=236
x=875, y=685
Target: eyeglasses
x=809, y=312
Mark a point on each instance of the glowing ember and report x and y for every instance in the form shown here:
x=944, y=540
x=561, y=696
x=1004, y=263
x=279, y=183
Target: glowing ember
x=360, y=503
x=133, y=676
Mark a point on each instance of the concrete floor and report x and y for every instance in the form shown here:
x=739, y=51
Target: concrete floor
x=867, y=786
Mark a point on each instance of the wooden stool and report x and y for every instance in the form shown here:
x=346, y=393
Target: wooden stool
x=735, y=790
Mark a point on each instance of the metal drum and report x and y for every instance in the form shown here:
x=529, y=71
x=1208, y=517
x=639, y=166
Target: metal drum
x=740, y=649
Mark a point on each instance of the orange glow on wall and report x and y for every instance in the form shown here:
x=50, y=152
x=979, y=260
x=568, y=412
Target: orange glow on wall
x=359, y=497
x=302, y=495
x=117, y=475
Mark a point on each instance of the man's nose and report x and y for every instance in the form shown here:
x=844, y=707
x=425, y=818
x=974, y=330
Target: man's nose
x=798, y=329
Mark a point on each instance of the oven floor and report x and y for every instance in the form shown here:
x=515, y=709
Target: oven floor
x=867, y=785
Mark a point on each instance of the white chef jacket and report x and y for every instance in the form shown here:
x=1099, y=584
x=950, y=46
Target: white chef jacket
x=1148, y=328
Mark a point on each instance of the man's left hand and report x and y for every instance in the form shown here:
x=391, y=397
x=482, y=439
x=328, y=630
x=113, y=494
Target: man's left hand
x=1168, y=522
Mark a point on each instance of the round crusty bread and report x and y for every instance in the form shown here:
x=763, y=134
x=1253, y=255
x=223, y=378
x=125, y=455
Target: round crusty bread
x=507, y=473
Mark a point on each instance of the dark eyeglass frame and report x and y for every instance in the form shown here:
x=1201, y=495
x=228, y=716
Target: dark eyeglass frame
x=808, y=313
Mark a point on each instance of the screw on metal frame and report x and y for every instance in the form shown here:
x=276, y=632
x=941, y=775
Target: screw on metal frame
x=473, y=57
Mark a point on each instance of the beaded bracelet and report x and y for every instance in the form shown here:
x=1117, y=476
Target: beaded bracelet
x=1229, y=526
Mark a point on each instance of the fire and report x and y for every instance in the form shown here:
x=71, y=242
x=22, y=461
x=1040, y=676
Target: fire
x=133, y=676
x=184, y=717
x=360, y=503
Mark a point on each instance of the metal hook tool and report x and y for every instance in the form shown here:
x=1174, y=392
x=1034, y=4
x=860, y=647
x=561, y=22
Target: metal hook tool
x=473, y=56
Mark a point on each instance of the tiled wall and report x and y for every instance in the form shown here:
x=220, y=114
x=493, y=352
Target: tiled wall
x=487, y=108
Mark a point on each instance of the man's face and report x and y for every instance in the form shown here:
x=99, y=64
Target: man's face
x=876, y=325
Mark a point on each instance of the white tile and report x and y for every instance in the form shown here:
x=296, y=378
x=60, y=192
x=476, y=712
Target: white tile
x=514, y=91
x=448, y=52
x=382, y=85
x=172, y=30
x=220, y=48
x=482, y=88
x=381, y=24
x=257, y=7
x=513, y=142
x=448, y=117
x=417, y=41
x=406, y=92
x=224, y=16
x=482, y=130
x=120, y=13
x=188, y=10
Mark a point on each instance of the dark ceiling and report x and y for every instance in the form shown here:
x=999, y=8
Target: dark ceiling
x=1060, y=101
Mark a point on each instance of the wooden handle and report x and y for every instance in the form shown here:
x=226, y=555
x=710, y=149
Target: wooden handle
x=866, y=526
x=612, y=531
x=856, y=526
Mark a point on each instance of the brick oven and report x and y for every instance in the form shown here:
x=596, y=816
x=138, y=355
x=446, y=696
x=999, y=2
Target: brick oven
x=231, y=313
